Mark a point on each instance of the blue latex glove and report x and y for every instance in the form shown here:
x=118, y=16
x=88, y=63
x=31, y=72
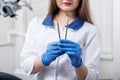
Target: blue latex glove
x=51, y=53
x=73, y=50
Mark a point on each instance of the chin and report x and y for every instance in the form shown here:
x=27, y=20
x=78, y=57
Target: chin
x=68, y=10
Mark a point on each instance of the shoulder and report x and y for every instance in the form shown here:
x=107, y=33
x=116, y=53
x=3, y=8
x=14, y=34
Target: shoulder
x=90, y=28
x=90, y=31
x=36, y=20
x=35, y=23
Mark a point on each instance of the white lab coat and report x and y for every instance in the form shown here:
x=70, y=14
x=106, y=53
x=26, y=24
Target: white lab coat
x=39, y=35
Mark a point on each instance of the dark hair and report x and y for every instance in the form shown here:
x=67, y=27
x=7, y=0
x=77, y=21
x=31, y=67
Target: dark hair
x=83, y=10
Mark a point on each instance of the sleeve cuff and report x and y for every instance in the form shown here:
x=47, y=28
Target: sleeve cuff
x=92, y=74
x=28, y=66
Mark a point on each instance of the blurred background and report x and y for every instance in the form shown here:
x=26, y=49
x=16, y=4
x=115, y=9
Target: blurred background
x=106, y=15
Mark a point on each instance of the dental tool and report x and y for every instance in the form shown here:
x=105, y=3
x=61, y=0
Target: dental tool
x=68, y=14
x=58, y=28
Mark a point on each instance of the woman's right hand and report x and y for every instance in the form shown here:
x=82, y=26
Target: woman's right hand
x=51, y=53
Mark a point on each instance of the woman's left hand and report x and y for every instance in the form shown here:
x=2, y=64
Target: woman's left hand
x=73, y=50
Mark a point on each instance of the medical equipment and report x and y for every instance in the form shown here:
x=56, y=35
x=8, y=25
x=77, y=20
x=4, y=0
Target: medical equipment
x=9, y=7
x=69, y=14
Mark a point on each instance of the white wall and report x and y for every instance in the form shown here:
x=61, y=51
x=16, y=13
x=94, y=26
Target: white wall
x=6, y=52
x=106, y=17
x=102, y=12
x=116, y=39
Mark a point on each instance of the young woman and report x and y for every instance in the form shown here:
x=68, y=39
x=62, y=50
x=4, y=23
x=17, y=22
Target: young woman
x=64, y=45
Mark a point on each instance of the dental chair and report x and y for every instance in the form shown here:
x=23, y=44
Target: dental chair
x=6, y=76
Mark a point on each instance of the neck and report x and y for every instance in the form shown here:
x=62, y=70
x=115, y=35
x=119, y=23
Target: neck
x=62, y=17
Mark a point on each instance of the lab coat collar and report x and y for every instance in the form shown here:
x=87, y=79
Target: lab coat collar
x=75, y=25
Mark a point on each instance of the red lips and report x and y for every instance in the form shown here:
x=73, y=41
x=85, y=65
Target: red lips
x=67, y=3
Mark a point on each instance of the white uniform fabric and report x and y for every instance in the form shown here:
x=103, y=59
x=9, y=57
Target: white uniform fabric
x=37, y=38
